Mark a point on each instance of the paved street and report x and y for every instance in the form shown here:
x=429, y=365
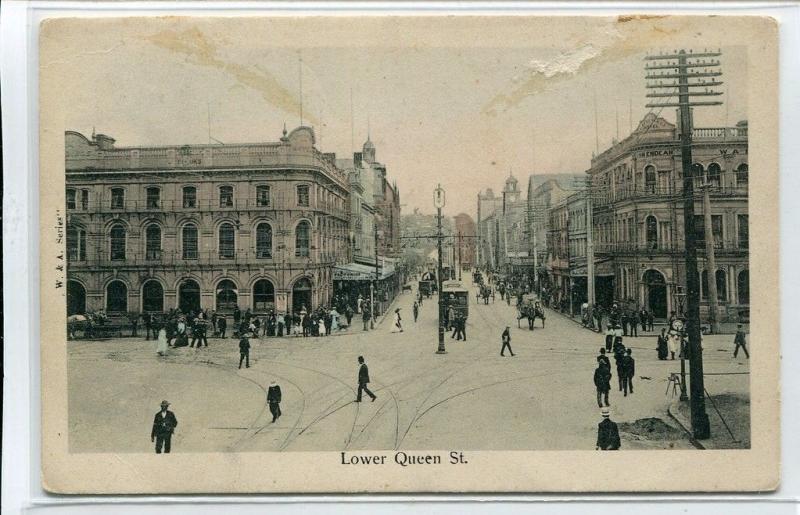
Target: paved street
x=471, y=398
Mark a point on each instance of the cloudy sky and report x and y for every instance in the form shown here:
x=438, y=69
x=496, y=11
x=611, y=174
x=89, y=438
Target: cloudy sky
x=457, y=101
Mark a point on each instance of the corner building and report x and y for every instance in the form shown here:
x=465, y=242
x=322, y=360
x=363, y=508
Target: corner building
x=210, y=227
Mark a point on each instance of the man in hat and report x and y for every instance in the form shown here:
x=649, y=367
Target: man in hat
x=607, y=433
x=602, y=382
x=740, y=340
x=274, y=400
x=506, y=338
x=363, y=380
x=602, y=358
x=628, y=370
x=164, y=425
x=244, y=351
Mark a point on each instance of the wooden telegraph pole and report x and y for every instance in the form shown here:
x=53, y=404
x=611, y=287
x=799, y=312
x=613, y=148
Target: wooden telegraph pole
x=688, y=75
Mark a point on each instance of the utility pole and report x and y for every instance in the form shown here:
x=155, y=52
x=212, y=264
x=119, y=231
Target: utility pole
x=682, y=71
x=589, y=248
x=711, y=260
x=438, y=202
x=459, y=255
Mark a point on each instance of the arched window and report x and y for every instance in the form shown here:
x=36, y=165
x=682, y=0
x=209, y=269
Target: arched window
x=189, y=296
x=153, y=198
x=189, y=197
x=302, y=243
x=116, y=297
x=742, y=175
x=153, y=242
x=301, y=295
x=263, y=296
x=722, y=285
x=743, y=286
x=189, y=240
x=152, y=297
x=650, y=179
x=651, y=231
x=118, y=242
x=227, y=241
x=227, y=295
x=226, y=196
x=76, y=298
x=264, y=240
x=713, y=174
x=76, y=244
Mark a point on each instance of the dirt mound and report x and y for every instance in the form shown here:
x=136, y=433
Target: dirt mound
x=652, y=429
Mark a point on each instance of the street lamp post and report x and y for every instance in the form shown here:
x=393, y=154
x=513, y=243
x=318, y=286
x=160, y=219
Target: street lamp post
x=438, y=202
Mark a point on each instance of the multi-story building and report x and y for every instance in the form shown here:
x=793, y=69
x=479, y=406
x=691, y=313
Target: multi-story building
x=386, y=199
x=465, y=240
x=637, y=187
x=488, y=205
x=258, y=226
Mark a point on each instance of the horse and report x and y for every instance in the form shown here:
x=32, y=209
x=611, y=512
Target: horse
x=82, y=323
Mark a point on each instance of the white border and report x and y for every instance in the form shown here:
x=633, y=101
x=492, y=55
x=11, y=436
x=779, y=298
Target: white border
x=21, y=488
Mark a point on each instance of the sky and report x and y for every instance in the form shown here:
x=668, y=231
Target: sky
x=462, y=102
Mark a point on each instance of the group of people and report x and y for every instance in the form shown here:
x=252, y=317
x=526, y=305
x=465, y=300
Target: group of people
x=626, y=368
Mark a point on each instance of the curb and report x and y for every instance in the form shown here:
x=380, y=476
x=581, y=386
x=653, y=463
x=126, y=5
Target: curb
x=673, y=411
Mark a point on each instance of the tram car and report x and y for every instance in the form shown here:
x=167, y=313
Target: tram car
x=456, y=295
x=427, y=284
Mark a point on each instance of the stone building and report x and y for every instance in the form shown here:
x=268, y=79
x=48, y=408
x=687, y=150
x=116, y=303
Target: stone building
x=465, y=232
x=151, y=228
x=638, y=225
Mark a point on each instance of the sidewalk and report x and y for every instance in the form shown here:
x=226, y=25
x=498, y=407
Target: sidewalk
x=735, y=409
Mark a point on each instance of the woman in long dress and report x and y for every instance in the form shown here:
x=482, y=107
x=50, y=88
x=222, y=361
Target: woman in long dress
x=161, y=346
x=334, y=320
x=397, y=327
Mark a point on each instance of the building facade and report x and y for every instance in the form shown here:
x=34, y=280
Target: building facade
x=638, y=224
x=259, y=226
x=466, y=232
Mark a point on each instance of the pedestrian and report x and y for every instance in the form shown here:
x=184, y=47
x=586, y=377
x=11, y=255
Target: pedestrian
x=281, y=323
x=740, y=340
x=602, y=383
x=650, y=320
x=602, y=358
x=609, y=338
x=662, y=346
x=348, y=314
x=607, y=433
x=161, y=346
x=365, y=315
x=643, y=319
x=244, y=351
x=624, y=321
x=506, y=338
x=673, y=340
x=274, y=400
x=363, y=380
x=397, y=327
x=222, y=326
x=164, y=424
x=461, y=320
x=237, y=318
x=199, y=332
x=628, y=370
x=147, y=318
x=634, y=324
x=214, y=320
x=619, y=353
x=415, y=310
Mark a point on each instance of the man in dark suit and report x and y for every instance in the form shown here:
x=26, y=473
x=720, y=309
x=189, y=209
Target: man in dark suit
x=602, y=382
x=607, y=433
x=506, y=338
x=740, y=340
x=274, y=400
x=363, y=380
x=628, y=370
x=164, y=425
x=602, y=358
x=244, y=351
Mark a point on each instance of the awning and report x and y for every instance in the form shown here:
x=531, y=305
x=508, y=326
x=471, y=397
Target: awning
x=360, y=272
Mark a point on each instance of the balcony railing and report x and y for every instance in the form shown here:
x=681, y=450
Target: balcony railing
x=660, y=248
x=193, y=258
x=656, y=192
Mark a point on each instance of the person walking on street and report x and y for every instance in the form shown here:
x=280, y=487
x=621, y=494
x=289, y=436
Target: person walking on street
x=634, y=324
x=461, y=321
x=740, y=340
x=199, y=332
x=650, y=320
x=609, y=338
x=147, y=318
x=164, y=424
x=619, y=353
x=365, y=315
x=602, y=358
x=222, y=326
x=607, y=433
x=398, y=326
x=244, y=351
x=602, y=383
x=161, y=346
x=662, y=345
x=628, y=370
x=363, y=380
x=415, y=310
x=506, y=337
x=274, y=400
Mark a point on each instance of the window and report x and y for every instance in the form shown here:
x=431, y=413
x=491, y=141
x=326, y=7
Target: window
x=651, y=232
x=262, y=196
x=189, y=237
x=264, y=240
x=153, y=198
x=85, y=199
x=714, y=173
x=744, y=231
x=302, y=196
x=698, y=173
x=116, y=297
x=118, y=242
x=722, y=286
x=117, y=198
x=700, y=230
x=716, y=225
x=650, y=179
x=227, y=241
x=302, y=242
x=152, y=297
x=76, y=244
x=263, y=296
x=189, y=197
x=153, y=242
x=71, y=199
x=226, y=196
x=743, y=287
x=742, y=175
